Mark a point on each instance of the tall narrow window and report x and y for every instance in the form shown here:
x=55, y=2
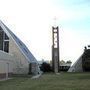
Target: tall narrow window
x=6, y=46
x=1, y=40
x=6, y=37
x=4, y=41
x=0, y=28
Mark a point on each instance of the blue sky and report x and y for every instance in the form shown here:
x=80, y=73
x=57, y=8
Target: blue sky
x=75, y=21
x=31, y=21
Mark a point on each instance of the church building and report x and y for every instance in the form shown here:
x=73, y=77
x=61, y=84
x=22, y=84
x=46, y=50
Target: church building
x=15, y=58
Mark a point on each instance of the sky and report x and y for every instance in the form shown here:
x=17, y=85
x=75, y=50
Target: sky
x=32, y=21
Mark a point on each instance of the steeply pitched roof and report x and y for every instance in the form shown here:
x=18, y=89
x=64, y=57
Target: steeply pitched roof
x=19, y=43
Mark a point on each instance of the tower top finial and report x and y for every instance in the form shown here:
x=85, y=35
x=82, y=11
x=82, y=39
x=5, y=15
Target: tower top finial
x=55, y=21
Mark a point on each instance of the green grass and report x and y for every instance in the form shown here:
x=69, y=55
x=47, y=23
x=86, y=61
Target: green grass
x=63, y=81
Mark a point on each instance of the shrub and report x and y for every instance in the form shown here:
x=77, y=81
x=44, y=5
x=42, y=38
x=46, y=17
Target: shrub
x=45, y=67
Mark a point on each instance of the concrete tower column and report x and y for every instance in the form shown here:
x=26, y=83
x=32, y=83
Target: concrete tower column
x=55, y=49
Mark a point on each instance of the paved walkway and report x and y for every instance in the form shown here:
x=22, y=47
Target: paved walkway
x=36, y=76
x=4, y=79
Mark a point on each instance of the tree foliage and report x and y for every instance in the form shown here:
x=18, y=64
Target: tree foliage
x=45, y=67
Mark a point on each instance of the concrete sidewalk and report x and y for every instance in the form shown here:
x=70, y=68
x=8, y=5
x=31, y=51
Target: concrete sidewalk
x=36, y=76
x=4, y=79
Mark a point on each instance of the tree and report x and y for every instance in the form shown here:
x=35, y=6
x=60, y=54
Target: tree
x=45, y=67
x=69, y=61
x=62, y=62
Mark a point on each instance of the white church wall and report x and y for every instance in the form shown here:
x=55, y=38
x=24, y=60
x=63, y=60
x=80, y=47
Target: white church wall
x=21, y=64
x=6, y=64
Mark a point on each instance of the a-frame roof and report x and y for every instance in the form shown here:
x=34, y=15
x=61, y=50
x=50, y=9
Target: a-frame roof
x=19, y=43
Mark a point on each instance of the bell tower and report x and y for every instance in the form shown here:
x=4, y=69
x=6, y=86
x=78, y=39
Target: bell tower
x=55, y=49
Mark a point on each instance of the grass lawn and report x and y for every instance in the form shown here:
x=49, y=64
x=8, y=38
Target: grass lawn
x=63, y=81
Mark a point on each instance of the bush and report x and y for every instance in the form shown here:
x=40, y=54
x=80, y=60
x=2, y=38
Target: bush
x=45, y=67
